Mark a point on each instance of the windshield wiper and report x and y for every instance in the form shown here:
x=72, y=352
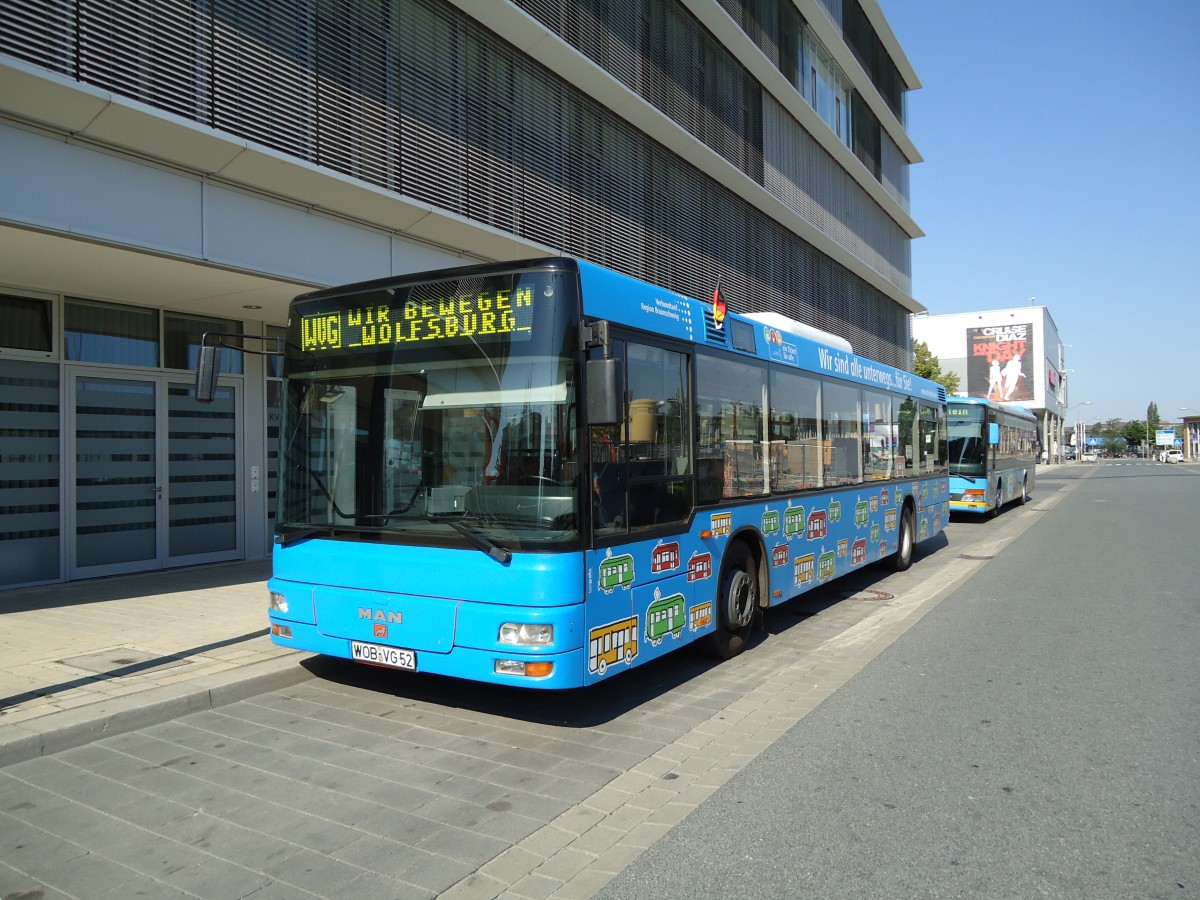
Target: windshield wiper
x=499, y=554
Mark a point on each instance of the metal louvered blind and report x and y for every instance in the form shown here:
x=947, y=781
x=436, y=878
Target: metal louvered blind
x=418, y=98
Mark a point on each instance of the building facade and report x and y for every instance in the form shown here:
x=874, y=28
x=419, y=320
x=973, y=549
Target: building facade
x=178, y=166
x=1190, y=426
x=1010, y=355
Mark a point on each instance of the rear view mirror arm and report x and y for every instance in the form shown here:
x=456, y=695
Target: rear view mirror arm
x=208, y=366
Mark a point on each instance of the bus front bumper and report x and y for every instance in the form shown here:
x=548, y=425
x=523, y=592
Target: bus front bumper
x=507, y=666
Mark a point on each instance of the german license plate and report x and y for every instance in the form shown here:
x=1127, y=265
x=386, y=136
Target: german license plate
x=377, y=654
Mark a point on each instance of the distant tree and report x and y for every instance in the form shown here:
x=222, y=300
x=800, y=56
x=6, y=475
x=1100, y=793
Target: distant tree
x=1134, y=433
x=926, y=365
x=1152, y=423
x=1114, y=447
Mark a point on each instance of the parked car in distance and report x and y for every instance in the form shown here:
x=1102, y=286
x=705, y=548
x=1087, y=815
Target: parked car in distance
x=1089, y=456
x=1172, y=456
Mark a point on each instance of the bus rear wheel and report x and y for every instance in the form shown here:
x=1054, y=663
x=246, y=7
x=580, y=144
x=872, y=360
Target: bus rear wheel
x=905, y=541
x=736, y=604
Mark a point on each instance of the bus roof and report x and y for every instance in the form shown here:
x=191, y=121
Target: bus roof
x=1016, y=409
x=638, y=304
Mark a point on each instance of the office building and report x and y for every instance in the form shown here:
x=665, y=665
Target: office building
x=179, y=166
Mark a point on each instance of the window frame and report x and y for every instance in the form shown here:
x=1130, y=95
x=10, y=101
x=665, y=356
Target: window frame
x=54, y=305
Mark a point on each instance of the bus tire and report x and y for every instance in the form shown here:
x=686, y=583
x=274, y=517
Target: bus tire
x=905, y=541
x=737, y=602
x=994, y=509
x=1024, y=492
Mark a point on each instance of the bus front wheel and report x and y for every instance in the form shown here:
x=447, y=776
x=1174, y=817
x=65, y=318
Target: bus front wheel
x=736, y=604
x=903, y=556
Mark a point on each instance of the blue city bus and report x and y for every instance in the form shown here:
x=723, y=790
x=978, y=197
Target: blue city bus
x=499, y=472
x=993, y=454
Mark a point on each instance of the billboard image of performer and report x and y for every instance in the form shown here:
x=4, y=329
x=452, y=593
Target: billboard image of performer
x=999, y=362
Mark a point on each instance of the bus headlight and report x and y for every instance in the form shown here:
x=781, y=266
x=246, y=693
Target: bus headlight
x=278, y=602
x=526, y=634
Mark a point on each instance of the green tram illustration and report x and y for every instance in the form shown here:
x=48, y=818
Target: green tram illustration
x=793, y=521
x=665, y=616
x=826, y=565
x=616, y=572
x=770, y=521
x=862, y=513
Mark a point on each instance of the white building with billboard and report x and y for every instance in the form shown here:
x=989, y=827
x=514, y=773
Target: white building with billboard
x=1013, y=355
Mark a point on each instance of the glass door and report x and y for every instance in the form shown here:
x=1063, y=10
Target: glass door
x=114, y=477
x=202, y=499
x=155, y=475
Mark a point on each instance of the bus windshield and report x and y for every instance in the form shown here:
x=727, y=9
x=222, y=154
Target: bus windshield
x=440, y=414
x=968, y=438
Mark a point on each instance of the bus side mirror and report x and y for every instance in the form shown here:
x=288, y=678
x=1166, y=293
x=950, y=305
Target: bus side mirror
x=994, y=434
x=208, y=367
x=604, y=392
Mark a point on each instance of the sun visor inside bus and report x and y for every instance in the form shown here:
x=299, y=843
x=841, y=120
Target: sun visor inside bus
x=522, y=382
x=549, y=393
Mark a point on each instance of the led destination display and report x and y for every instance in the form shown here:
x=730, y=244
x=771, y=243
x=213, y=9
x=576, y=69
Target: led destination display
x=481, y=315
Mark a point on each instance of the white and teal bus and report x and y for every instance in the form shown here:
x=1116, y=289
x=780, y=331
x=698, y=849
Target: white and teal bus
x=993, y=454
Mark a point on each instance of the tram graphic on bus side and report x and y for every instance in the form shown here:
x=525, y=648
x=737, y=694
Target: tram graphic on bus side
x=793, y=521
x=826, y=565
x=699, y=566
x=665, y=557
x=805, y=569
x=665, y=615
x=700, y=616
x=613, y=643
x=616, y=572
x=818, y=524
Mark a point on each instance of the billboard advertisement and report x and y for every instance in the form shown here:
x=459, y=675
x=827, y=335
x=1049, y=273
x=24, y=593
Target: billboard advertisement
x=1000, y=362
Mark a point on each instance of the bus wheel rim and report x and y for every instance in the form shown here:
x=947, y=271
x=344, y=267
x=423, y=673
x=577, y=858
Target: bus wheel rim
x=739, y=603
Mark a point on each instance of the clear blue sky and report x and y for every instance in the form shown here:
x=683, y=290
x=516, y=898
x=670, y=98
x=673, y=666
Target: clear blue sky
x=1061, y=145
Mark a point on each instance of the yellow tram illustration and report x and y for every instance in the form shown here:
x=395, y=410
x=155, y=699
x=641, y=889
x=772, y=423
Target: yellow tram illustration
x=612, y=643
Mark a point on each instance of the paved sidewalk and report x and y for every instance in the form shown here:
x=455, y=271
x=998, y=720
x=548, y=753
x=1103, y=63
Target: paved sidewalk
x=92, y=658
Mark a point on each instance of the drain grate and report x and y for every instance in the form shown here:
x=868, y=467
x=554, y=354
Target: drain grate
x=870, y=595
x=122, y=661
x=978, y=558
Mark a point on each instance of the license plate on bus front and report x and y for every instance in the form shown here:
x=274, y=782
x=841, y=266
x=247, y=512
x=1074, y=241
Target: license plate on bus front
x=377, y=654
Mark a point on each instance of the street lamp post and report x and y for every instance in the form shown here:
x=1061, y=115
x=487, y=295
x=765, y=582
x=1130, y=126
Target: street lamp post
x=1078, y=427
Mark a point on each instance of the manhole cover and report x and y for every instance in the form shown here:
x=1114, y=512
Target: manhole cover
x=122, y=661
x=870, y=595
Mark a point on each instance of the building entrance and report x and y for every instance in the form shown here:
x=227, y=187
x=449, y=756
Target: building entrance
x=154, y=477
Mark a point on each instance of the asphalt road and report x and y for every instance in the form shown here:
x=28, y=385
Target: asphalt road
x=1037, y=736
